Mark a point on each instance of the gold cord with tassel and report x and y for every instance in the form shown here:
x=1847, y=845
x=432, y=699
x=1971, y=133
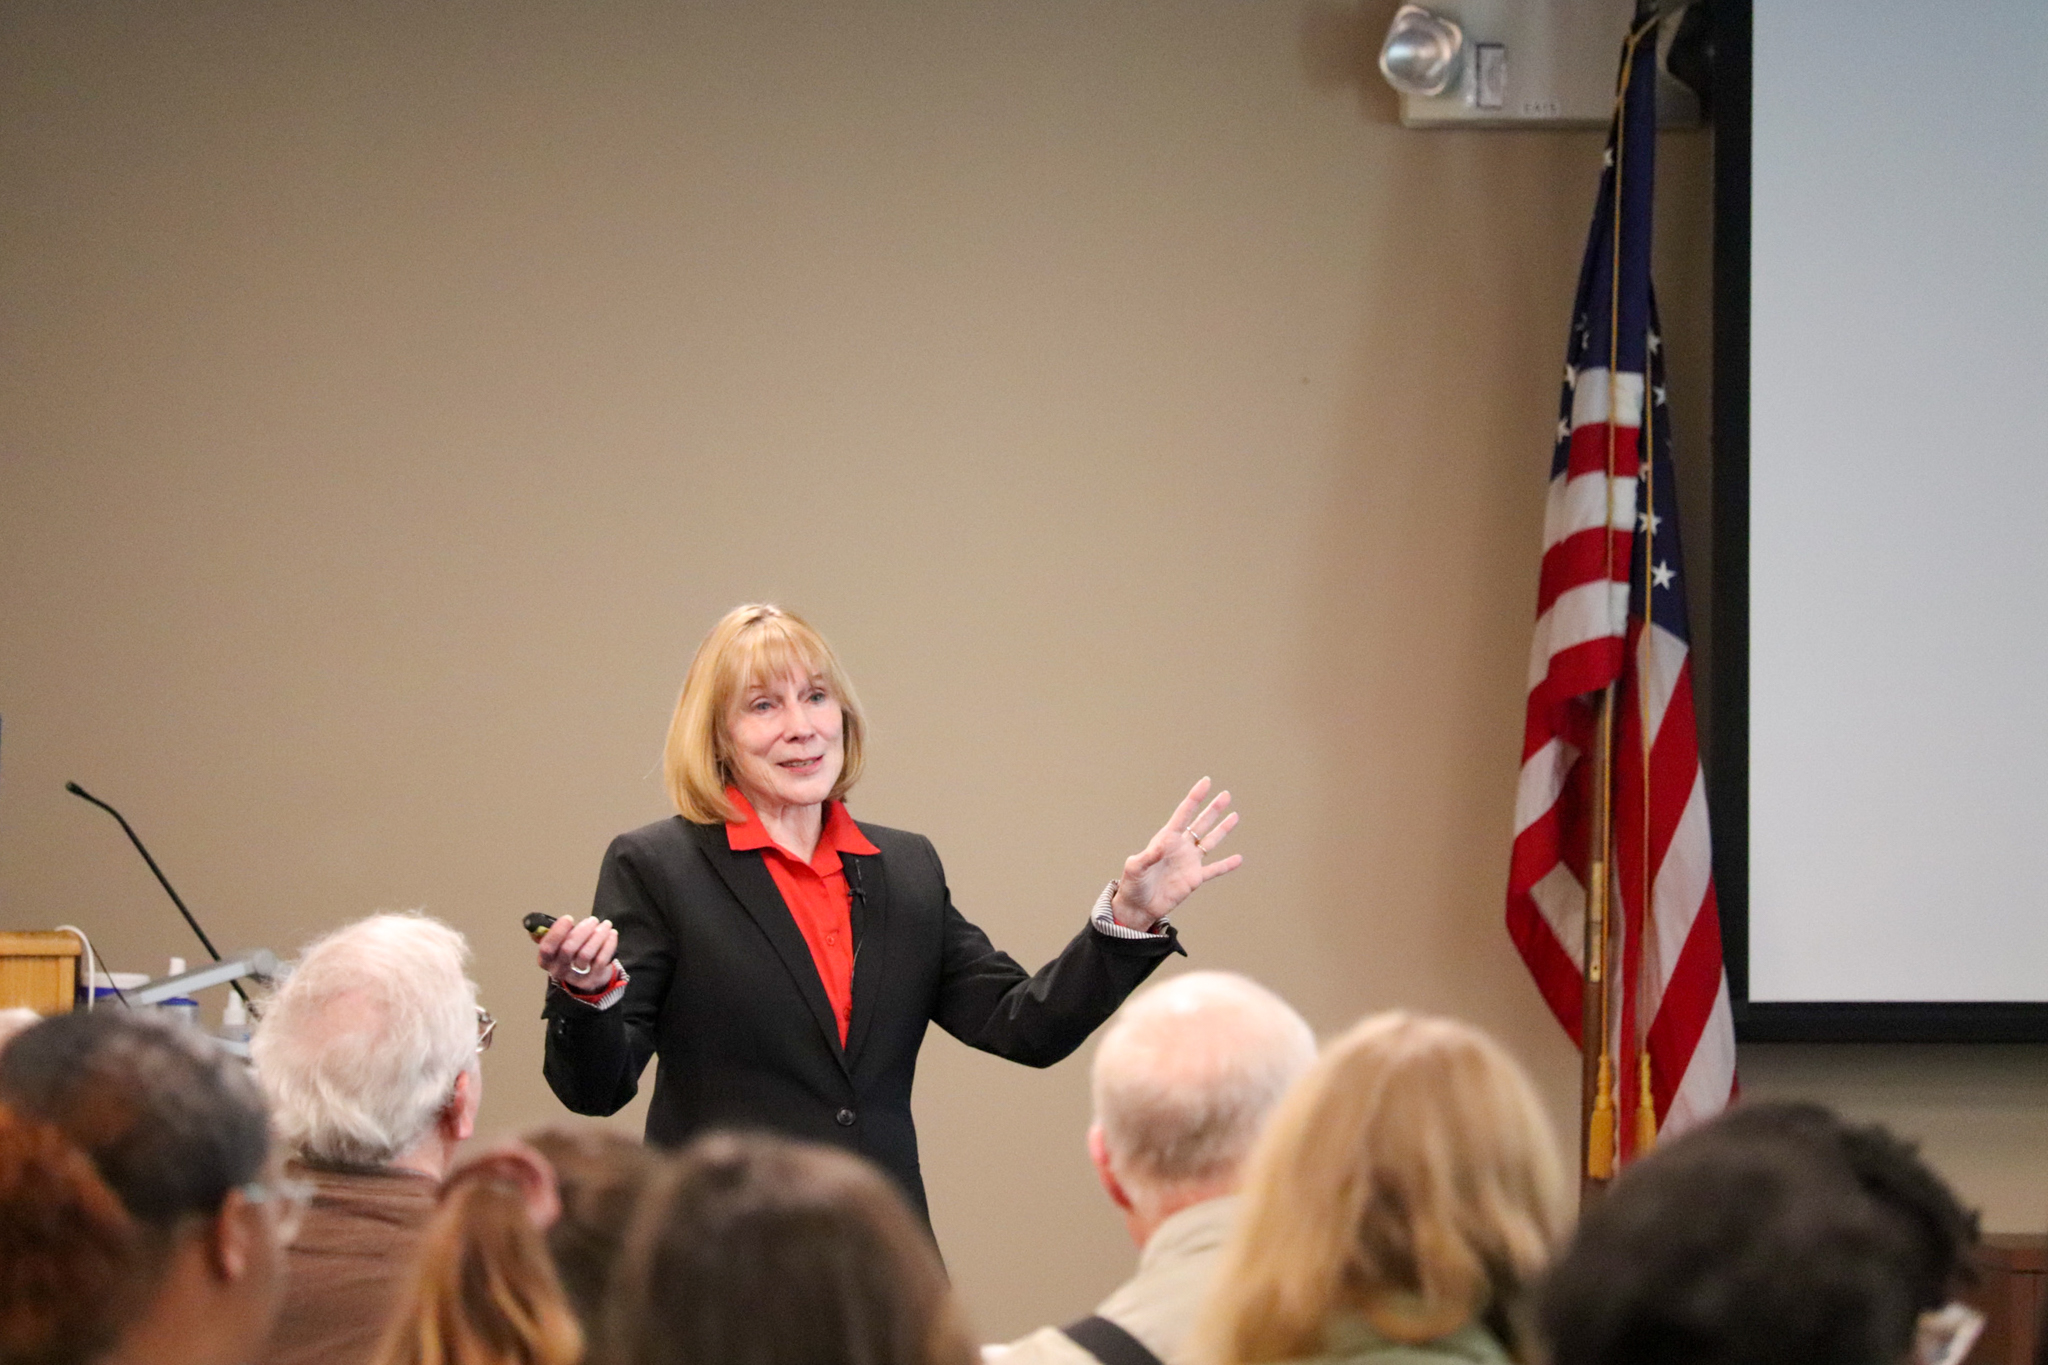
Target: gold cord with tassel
x=1600, y=1130
x=1646, y=1109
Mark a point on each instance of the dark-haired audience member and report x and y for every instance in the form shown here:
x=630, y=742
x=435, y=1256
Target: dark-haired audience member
x=370, y=1056
x=1398, y=1210
x=512, y=1267
x=1889, y=1170
x=1184, y=1080
x=757, y=1250
x=1752, y=1241
x=144, y=1220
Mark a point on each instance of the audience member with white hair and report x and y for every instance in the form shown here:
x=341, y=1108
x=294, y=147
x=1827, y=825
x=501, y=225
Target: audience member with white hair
x=370, y=1056
x=1183, y=1081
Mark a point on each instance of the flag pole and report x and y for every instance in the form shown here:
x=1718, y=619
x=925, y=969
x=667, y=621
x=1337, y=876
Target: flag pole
x=1596, y=1080
x=1596, y=1077
x=1627, y=630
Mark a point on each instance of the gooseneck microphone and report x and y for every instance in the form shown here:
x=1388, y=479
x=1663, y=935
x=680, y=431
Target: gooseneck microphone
x=162, y=880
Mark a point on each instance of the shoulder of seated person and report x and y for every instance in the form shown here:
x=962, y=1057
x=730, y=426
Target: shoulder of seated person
x=1046, y=1346
x=1354, y=1341
x=366, y=1181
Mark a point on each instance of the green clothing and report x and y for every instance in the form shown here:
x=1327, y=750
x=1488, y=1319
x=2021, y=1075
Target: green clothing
x=1353, y=1341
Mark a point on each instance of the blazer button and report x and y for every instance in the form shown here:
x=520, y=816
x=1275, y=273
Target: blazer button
x=845, y=1117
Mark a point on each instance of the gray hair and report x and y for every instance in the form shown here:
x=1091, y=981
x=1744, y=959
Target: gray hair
x=1188, y=1072
x=360, y=1049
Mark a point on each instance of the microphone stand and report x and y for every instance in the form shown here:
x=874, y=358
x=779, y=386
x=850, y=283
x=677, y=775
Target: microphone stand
x=162, y=880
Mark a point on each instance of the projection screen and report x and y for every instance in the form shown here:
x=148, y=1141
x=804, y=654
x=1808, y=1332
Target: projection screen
x=1897, y=482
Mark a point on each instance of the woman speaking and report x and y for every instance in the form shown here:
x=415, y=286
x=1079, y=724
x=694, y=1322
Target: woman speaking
x=783, y=959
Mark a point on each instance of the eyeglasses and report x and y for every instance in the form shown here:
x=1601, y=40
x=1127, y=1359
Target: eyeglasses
x=485, y=1027
x=289, y=1198
x=1945, y=1336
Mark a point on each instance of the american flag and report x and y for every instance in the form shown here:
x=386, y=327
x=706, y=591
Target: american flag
x=1611, y=611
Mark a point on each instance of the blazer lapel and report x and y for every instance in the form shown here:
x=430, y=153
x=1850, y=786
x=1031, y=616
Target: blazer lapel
x=746, y=876
x=869, y=881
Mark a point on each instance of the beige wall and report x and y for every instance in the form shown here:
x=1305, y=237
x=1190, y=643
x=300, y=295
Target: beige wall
x=394, y=393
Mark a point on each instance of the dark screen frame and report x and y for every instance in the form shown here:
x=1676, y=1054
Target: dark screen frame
x=1728, y=742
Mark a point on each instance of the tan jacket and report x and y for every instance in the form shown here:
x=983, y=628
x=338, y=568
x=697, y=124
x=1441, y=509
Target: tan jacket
x=345, y=1268
x=1159, y=1304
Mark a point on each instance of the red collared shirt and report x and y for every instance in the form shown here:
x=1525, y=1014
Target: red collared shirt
x=815, y=892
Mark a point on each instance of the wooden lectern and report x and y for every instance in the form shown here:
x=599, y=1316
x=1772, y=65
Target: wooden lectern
x=2012, y=1272
x=39, y=969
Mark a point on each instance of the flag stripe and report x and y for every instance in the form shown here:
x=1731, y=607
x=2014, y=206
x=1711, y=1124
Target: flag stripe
x=1542, y=780
x=1579, y=502
x=1689, y=999
x=1594, y=399
x=1581, y=615
x=1660, y=663
x=1684, y=882
x=1710, y=1081
x=1556, y=972
x=1584, y=554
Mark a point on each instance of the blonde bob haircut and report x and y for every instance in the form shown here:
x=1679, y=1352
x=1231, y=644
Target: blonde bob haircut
x=750, y=645
x=1411, y=1178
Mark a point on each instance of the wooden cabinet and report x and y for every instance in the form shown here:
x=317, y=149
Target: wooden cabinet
x=2013, y=1275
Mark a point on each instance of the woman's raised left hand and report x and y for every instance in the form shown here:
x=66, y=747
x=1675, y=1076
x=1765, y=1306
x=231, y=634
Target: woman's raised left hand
x=1169, y=868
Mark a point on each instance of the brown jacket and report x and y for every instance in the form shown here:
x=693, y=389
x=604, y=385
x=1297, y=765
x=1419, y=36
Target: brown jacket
x=343, y=1273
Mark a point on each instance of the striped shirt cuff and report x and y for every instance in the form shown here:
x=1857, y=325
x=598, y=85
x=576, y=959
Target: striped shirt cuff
x=605, y=998
x=1104, y=919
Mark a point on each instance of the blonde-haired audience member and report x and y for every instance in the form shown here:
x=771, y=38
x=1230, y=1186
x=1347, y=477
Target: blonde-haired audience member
x=512, y=1267
x=1184, y=1080
x=1399, y=1209
x=370, y=1056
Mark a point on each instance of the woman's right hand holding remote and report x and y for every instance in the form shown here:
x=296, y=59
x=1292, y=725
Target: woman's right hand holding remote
x=578, y=953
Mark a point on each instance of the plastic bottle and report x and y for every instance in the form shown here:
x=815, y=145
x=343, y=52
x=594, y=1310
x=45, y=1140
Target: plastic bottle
x=103, y=986
x=234, y=1020
x=182, y=1007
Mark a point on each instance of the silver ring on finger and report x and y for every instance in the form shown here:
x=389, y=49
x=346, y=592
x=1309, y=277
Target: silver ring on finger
x=580, y=968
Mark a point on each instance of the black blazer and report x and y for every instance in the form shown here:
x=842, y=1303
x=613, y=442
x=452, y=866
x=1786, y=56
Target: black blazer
x=723, y=988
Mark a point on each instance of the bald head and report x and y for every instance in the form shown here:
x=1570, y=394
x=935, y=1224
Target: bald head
x=1187, y=1073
